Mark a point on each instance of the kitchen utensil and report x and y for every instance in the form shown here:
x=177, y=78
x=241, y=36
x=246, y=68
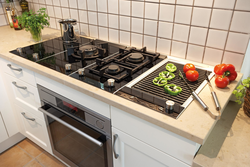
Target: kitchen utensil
x=205, y=107
x=216, y=101
x=67, y=30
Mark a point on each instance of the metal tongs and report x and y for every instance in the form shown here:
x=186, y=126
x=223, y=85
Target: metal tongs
x=196, y=96
x=216, y=101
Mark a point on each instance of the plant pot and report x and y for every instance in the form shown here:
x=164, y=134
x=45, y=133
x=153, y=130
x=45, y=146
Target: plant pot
x=246, y=106
x=36, y=34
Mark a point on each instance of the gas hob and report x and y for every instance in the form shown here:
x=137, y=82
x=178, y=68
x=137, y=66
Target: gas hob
x=124, y=71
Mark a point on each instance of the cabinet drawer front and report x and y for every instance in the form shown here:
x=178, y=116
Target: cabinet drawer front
x=24, y=94
x=135, y=153
x=161, y=139
x=18, y=72
x=33, y=127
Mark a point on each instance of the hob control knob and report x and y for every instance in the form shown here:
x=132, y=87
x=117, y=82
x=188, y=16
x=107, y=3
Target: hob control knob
x=111, y=82
x=169, y=106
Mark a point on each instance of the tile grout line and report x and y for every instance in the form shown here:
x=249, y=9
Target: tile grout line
x=208, y=30
x=157, y=29
x=231, y=20
x=172, y=36
x=143, y=25
x=190, y=27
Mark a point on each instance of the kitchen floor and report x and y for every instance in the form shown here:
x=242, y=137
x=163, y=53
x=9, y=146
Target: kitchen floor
x=28, y=154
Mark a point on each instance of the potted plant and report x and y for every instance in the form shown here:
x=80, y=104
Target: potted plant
x=242, y=93
x=34, y=22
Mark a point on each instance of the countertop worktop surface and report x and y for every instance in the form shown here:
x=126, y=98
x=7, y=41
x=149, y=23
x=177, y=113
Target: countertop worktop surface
x=228, y=144
x=194, y=124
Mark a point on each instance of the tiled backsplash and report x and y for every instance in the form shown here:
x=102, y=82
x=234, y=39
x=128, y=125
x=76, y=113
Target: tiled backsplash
x=205, y=31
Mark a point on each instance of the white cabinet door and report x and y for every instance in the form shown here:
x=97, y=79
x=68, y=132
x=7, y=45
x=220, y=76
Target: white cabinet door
x=3, y=132
x=33, y=127
x=135, y=153
x=24, y=94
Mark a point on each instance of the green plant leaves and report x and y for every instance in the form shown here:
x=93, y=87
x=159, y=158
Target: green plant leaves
x=34, y=21
x=240, y=91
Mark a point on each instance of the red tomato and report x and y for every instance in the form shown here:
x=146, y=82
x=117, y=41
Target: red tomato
x=192, y=75
x=187, y=67
x=221, y=82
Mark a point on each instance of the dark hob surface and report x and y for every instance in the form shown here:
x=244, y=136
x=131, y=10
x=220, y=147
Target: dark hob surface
x=101, y=60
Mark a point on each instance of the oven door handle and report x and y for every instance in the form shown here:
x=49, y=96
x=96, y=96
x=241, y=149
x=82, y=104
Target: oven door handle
x=100, y=144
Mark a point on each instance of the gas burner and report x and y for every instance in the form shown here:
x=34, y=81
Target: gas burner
x=135, y=58
x=113, y=69
x=90, y=50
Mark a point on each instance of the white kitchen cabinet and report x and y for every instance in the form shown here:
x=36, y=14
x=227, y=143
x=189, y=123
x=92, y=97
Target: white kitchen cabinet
x=135, y=153
x=163, y=140
x=18, y=72
x=3, y=132
x=33, y=127
x=24, y=94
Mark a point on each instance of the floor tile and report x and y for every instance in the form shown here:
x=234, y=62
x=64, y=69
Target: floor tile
x=49, y=161
x=30, y=147
x=33, y=163
x=14, y=157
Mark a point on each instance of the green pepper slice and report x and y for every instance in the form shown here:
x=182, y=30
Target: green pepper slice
x=171, y=67
x=159, y=81
x=172, y=89
x=167, y=75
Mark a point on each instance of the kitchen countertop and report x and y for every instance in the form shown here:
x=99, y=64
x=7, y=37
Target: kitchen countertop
x=228, y=144
x=194, y=124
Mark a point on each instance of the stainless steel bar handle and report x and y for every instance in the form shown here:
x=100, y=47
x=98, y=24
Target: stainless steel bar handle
x=216, y=101
x=16, y=69
x=115, y=138
x=20, y=87
x=31, y=119
x=100, y=144
x=205, y=107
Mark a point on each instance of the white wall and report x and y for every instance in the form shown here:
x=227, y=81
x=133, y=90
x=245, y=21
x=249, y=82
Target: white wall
x=246, y=64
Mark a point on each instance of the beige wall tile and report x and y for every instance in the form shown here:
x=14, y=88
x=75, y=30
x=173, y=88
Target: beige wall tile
x=240, y=22
x=205, y=3
x=181, y=32
x=198, y=35
x=201, y=17
x=163, y=46
x=183, y=14
x=217, y=38
x=212, y=56
x=195, y=53
x=237, y=42
x=225, y=4
x=166, y=12
x=221, y=19
x=233, y=58
x=243, y=5
x=150, y=43
x=178, y=49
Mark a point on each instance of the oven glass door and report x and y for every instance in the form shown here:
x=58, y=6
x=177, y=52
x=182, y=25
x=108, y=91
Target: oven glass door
x=72, y=145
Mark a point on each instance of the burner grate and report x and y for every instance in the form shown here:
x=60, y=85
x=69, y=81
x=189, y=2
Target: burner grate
x=146, y=84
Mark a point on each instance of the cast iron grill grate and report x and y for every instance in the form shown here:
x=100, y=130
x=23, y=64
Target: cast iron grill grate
x=146, y=84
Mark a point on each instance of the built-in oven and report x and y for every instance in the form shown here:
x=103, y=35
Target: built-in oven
x=78, y=135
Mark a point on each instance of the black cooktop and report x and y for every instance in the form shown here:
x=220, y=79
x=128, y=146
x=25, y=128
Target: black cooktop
x=96, y=59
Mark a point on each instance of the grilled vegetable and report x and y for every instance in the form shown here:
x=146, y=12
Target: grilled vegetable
x=171, y=67
x=167, y=75
x=159, y=81
x=172, y=89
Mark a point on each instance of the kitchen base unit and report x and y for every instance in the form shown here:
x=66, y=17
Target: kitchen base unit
x=131, y=152
x=143, y=139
